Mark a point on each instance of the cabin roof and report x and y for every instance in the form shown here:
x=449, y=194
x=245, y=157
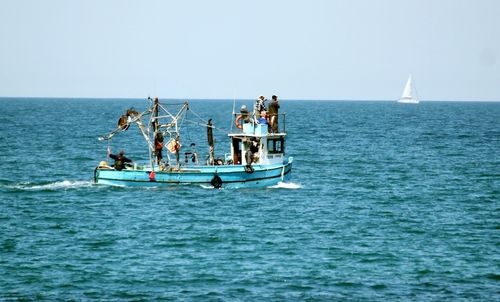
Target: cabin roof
x=244, y=135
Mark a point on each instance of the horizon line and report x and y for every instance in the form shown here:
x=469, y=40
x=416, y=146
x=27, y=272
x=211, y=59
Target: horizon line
x=245, y=99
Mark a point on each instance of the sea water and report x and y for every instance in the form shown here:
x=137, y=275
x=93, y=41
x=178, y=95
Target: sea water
x=387, y=202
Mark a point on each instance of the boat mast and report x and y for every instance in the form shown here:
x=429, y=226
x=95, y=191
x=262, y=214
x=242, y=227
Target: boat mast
x=155, y=125
x=210, y=139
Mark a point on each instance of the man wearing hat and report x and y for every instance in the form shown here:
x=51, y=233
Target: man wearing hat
x=120, y=159
x=259, y=106
x=245, y=115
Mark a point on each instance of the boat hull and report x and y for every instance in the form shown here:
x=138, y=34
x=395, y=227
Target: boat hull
x=227, y=176
x=404, y=101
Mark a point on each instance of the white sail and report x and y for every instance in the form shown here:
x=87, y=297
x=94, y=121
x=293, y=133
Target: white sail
x=408, y=95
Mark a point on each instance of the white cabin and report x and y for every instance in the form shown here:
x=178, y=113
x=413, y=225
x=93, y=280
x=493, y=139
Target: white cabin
x=267, y=148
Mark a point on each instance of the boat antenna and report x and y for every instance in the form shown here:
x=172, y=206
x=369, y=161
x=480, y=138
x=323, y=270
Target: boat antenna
x=234, y=113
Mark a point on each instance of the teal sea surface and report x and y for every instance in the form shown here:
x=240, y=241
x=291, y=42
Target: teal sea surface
x=387, y=202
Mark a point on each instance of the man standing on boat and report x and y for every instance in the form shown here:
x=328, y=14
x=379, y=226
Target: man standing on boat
x=273, y=114
x=120, y=160
x=245, y=115
x=259, y=106
x=158, y=147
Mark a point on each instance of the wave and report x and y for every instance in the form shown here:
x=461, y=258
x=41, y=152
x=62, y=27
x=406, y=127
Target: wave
x=52, y=186
x=286, y=185
x=210, y=187
x=78, y=184
x=280, y=185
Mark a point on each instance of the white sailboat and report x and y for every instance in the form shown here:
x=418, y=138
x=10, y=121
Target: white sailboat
x=409, y=93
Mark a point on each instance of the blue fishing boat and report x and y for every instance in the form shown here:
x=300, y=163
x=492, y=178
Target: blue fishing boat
x=256, y=157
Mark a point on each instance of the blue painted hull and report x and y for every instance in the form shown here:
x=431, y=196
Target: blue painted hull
x=231, y=176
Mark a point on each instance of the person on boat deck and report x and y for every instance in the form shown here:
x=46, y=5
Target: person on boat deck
x=274, y=107
x=245, y=115
x=158, y=147
x=259, y=106
x=191, y=154
x=262, y=119
x=252, y=148
x=120, y=160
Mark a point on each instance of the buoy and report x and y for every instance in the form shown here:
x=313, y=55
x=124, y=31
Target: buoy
x=237, y=122
x=152, y=176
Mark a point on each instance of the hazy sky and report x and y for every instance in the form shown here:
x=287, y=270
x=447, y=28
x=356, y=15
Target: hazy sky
x=332, y=49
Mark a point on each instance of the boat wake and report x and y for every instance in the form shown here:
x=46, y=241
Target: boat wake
x=280, y=185
x=286, y=185
x=210, y=187
x=53, y=186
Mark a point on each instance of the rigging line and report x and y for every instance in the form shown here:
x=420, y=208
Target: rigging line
x=198, y=116
x=168, y=112
x=184, y=108
x=151, y=101
x=185, y=118
x=205, y=125
x=108, y=150
x=197, y=123
x=203, y=122
x=136, y=119
x=173, y=104
x=177, y=122
x=182, y=118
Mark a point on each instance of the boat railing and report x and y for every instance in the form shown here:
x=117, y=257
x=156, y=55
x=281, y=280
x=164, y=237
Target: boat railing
x=253, y=127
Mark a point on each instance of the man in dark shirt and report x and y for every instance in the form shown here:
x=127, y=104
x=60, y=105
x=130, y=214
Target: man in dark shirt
x=120, y=160
x=158, y=147
x=273, y=114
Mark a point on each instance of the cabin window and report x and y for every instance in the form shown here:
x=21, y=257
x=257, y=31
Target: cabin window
x=275, y=146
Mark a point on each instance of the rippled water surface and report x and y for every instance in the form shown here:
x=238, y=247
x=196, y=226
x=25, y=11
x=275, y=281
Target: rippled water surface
x=387, y=202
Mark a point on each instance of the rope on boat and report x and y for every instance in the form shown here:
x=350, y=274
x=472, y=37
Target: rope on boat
x=204, y=124
x=222, y=130
x=172, y=129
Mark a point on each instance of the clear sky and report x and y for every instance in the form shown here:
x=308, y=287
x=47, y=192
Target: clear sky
x=332, y=49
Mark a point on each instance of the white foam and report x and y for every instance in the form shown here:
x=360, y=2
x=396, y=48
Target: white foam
x=280, y=185
x=210, y=187
x=58, y=185
x=286, y=185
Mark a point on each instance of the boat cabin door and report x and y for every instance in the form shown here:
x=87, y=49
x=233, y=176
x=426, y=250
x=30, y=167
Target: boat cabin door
x=236, y=145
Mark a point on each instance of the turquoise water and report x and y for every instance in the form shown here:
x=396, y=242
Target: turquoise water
x=387, y=202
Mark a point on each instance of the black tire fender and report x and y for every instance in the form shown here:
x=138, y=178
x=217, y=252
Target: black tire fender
x=216, y=182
